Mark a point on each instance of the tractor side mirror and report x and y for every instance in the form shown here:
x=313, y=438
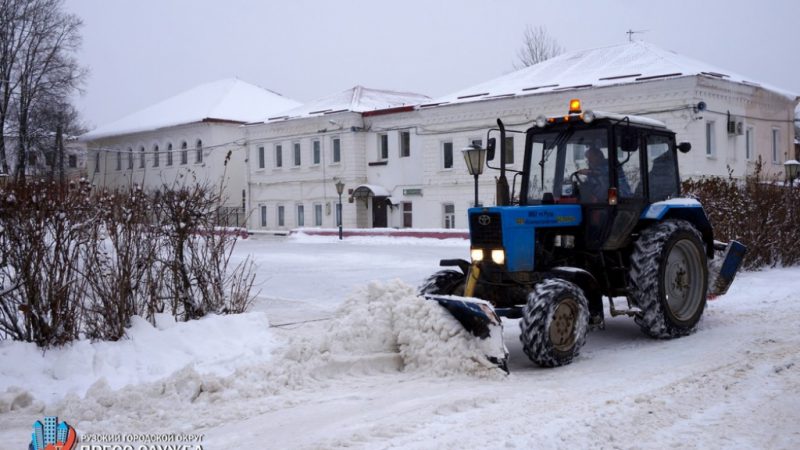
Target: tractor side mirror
x=490, y=146
x=629, y=141
x=684, y=147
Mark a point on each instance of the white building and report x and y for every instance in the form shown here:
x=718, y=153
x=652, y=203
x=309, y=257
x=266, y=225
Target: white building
x=297, y=157
x=193, y=137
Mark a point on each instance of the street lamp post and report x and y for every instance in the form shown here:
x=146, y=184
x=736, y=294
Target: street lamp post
x=791, y=166
x=339, y=190
x=475, y=157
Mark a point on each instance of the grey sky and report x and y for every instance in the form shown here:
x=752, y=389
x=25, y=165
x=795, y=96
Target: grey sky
x=140, y=52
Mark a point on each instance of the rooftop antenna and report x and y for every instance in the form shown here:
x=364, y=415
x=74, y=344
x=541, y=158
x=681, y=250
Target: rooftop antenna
x=630, y=33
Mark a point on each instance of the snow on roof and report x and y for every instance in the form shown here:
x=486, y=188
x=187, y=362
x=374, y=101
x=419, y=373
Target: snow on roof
x=357, y=99
x=228, y=100
x=630, y=62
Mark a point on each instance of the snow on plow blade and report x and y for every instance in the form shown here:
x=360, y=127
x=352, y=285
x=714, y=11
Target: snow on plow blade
x=723, y=270
x=479, y=318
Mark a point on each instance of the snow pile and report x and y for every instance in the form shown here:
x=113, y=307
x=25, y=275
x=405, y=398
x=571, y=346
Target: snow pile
x=214, y=344
x=390, y=317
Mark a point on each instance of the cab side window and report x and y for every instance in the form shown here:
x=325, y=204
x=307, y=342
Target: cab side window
x=661, y=168
x=629, y=174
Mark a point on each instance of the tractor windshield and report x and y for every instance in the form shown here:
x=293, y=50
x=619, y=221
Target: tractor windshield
x=571, y=164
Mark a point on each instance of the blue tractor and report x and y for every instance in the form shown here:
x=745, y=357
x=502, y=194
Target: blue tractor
x=598, y=213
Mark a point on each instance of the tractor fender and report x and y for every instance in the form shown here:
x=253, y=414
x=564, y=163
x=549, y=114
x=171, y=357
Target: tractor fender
x=686, y=209
x=585, y=280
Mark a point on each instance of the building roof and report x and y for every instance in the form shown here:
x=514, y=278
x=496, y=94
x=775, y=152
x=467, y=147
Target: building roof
x=224, y=100
x=631, y=62
x=357, y=99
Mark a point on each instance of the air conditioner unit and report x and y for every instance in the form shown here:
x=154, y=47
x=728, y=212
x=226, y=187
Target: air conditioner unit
x=731, y=127
x=739, y=127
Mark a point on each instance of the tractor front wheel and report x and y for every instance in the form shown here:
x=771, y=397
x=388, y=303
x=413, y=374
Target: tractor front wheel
x=668, y=279
x=554, y=322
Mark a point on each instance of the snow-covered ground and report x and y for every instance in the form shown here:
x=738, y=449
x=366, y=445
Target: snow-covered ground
x=338, y=352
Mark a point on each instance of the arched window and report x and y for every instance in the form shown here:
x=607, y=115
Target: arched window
x=156, y=156
x=130, y=159
x=141, y=157
x=119, y=160
x=199, y=152
x=169, y=154
x=184, y=153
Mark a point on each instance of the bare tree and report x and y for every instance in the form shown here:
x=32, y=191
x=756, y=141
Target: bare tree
x=537, y=46
x=38, y=71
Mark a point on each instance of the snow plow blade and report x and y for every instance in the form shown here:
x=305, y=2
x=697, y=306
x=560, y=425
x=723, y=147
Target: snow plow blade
x=723, y=272
x=479, y=318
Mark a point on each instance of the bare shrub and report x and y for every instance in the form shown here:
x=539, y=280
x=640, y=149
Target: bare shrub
x=44, y=227
x=761, y=213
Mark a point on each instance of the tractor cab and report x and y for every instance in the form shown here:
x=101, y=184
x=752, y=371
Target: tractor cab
x=613, y=166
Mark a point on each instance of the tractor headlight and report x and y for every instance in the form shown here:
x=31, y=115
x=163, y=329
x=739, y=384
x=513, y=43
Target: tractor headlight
x=499, y=257
x=476, y=254
x=541, y=121
x=588, y=117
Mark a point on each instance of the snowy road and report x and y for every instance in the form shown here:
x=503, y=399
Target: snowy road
x=344, y=383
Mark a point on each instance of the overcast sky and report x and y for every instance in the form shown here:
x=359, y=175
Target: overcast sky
x=143, y=51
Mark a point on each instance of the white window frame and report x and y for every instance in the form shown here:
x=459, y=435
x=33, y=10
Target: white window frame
x=262, y=157
x=336, y=154
x=510, y=159
x=280, y=215
x=142, y=158
x=198, y=152
x=400, y=145
x=316, y=152
x=444, y=158
x=156, y=156
x=263, y=216
x=749, y=143
x=300, y=217
x=277, y=153
x=448, y=218
x=184, y=153
x=317, y=214
x=711, y=139
x=383, y=146
x=775, y=137
x=297, y=154
x=169, y=154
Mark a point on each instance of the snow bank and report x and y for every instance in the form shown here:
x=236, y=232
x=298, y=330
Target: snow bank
x=214, y=344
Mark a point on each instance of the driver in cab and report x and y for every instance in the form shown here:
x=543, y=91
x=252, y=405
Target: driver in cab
x=595, y=186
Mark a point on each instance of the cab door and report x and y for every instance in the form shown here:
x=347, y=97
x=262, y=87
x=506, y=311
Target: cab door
x=628, y=177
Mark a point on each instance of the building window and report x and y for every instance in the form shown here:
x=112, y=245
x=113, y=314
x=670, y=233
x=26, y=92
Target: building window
x=169, y=154
x=281, y=217
x=278, y=156
x=711, y=141
x=198, y=152
x=261, y=158
x=748, y=143
x=119, y=160
x=72, y=161
x=449, y=215
x=383, y=146
x=317, y=215
x=447, y=155
x=776, y=146
x=407, y=219
x=405, y=144
x=141, y=157
x=338, y=214
x=337, y=150
x=184, y=153
x=156, y=156
x=97, y=162
x=509, y=149
x=130, y=159
x=301, y=216
x=297, y=160
x=263, y=216
x=315, y=152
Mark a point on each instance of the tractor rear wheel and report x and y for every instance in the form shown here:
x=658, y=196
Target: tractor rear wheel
x=444, y=282
x=668, y=279
x=554, y=322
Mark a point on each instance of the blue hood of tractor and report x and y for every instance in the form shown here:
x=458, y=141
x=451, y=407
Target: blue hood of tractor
x=516, y=231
